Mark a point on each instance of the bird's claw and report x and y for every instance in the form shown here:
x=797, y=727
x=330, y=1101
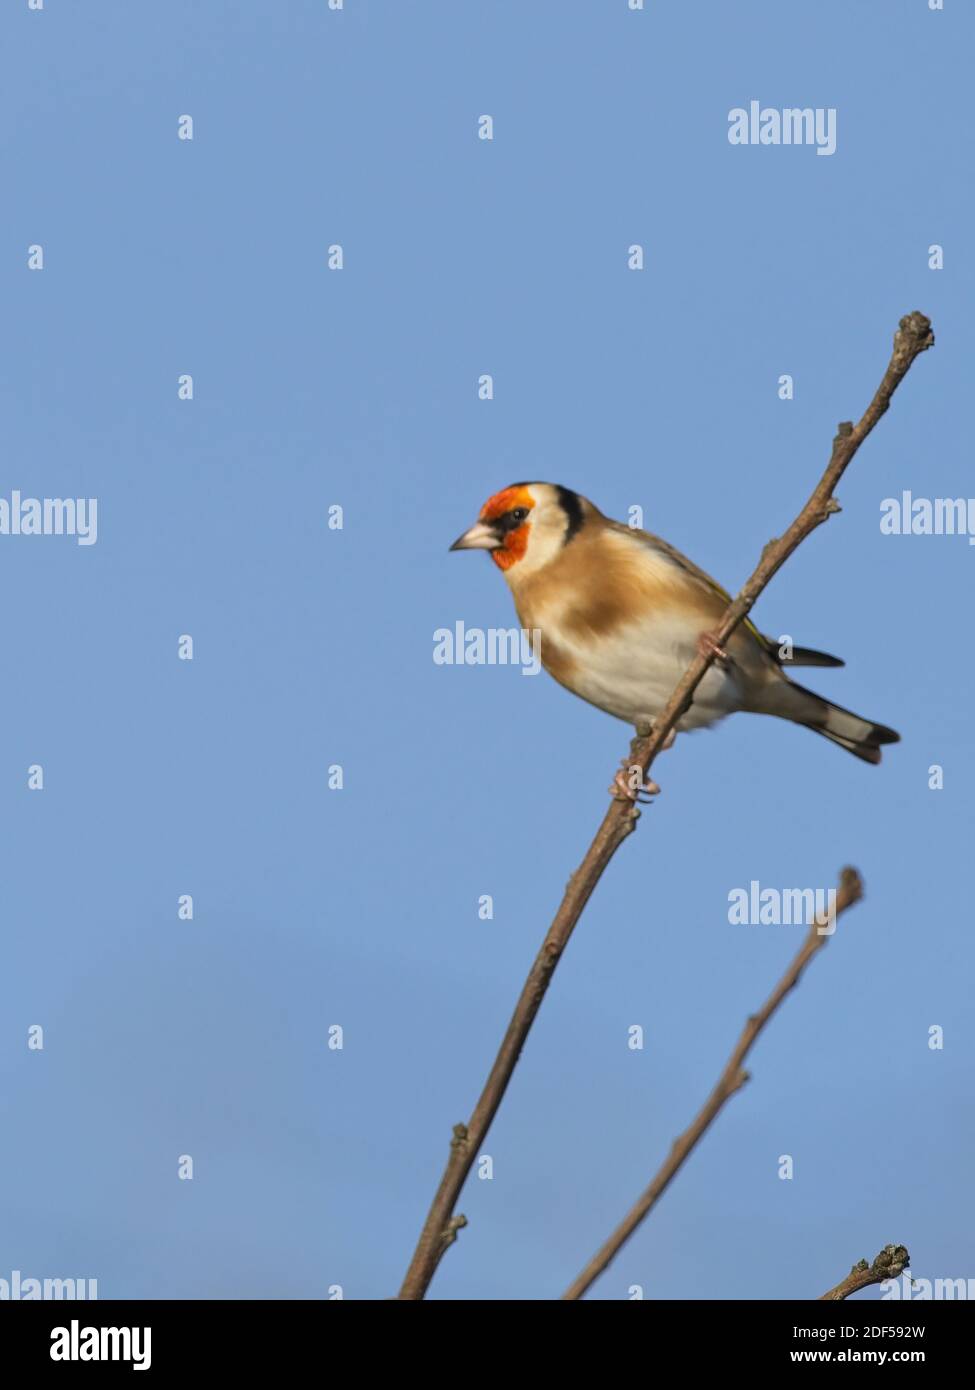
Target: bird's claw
x=629, y=784
x=708, y=646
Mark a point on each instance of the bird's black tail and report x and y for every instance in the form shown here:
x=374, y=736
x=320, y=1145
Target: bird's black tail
x=861, y=737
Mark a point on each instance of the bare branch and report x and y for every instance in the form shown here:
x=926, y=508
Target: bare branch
x=889, y=1264
x=913, y=337
x=731, y=1080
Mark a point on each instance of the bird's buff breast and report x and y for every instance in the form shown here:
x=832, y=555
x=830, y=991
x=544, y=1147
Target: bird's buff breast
x=631, y=672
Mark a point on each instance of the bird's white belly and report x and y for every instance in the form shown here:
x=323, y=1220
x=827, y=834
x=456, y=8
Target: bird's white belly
x=632, y=673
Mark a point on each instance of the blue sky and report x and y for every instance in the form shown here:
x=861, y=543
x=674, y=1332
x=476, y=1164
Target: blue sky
x=357, y=907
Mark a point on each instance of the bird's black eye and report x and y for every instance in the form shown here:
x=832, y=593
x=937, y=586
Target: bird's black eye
x=510, y=521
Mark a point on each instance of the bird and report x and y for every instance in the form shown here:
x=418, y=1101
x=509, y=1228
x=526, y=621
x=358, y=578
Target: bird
x=622, y=613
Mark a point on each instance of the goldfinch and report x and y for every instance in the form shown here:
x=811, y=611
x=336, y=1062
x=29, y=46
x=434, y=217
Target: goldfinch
x=621, y=615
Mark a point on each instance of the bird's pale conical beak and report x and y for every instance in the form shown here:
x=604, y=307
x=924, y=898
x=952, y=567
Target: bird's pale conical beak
x=479, y=537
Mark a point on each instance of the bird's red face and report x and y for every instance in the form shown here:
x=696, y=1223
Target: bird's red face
x=503, y=526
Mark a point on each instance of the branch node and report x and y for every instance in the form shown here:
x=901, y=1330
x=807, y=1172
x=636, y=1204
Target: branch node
x=851, y=884
x=889, y=1264
x=449, y=1234
x=914, y=334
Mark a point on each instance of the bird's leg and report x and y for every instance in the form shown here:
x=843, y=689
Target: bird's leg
x=645, y=728
x=631, y=782
x=707, y=646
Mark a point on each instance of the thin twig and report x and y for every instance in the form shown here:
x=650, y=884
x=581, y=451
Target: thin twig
x=731, y=1080
x=889, y=1264
x=913, y=337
